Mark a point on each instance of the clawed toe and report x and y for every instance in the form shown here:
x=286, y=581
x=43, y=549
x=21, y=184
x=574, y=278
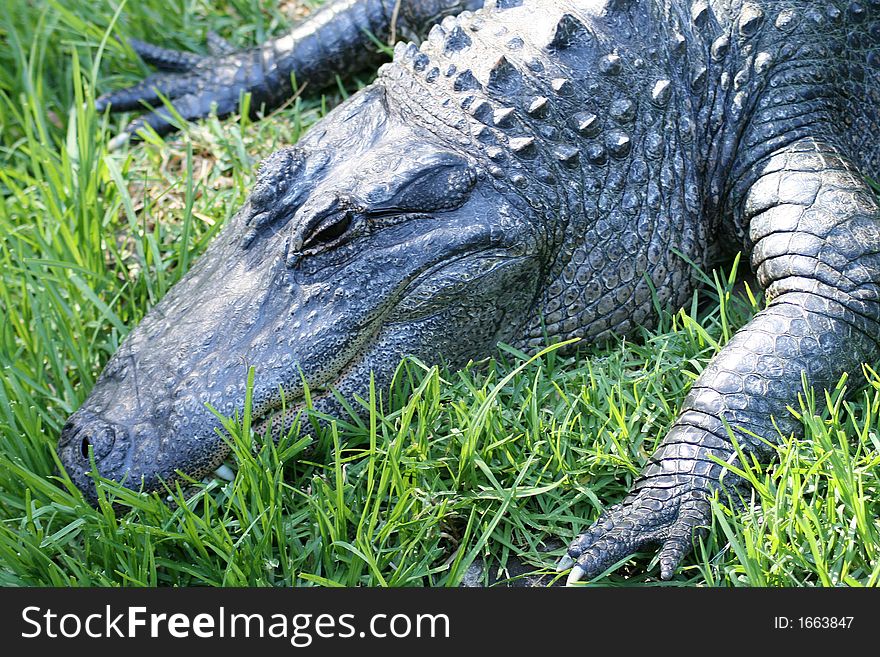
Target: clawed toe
x=625, y=529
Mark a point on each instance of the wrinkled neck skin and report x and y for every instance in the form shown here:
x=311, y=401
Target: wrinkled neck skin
x=368, y=242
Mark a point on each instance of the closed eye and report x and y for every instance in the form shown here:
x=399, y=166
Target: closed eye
x=332, y=230
x=328, y=232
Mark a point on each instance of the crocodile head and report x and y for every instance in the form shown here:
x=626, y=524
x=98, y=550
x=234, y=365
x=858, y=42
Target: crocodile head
x=370, y=240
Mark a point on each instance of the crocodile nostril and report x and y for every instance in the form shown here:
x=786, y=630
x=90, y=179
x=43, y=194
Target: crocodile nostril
x=89, y=434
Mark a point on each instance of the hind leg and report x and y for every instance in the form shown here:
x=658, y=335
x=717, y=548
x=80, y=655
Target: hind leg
x=335, y=41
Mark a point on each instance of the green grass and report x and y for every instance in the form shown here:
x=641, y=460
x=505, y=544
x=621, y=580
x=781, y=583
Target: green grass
x=498, y=461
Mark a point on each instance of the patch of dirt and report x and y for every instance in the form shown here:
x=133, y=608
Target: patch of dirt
x=294, y=10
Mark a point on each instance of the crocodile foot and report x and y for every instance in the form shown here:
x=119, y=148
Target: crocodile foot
x=194, y=84
x=667, y=511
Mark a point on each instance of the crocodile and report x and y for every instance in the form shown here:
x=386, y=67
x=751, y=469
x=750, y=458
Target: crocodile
x=521, y=172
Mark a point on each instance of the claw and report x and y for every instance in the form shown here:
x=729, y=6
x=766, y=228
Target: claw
x=118, y=141
x=225, y=472
x=576, y=575
x=564, y=563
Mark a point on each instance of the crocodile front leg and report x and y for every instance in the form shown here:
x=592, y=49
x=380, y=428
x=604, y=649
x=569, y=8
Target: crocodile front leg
x=335, y=41
x=815, y=227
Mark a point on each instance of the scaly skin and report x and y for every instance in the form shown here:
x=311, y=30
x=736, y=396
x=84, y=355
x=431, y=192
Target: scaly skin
x=534, y=170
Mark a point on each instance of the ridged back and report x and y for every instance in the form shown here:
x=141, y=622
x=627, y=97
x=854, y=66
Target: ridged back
x=536, y=89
